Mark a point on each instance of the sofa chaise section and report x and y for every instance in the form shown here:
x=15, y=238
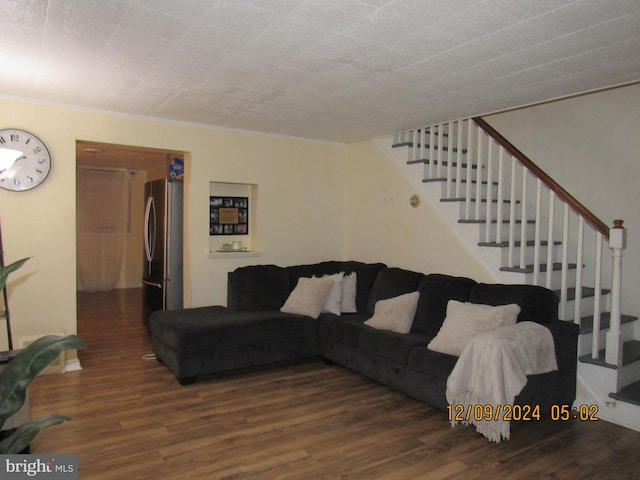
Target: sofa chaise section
x=207, y=340
x=251, y=330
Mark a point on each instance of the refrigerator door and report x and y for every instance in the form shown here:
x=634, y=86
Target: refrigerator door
x=149, y=231
x=155, y=229
x=153, y=298
x=163, y=229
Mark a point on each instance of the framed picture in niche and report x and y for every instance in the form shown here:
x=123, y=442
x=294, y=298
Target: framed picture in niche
x=228, y=215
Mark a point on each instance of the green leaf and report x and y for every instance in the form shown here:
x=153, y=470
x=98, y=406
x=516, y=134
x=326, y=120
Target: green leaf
x=25, y=433
x=6, y=270
x=26, y=366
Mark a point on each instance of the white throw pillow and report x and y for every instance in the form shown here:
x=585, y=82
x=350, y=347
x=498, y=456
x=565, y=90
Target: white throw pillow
x=465, y=320
x=333, y=301
x=395, y=314
x=308, y=297
x=348, y=302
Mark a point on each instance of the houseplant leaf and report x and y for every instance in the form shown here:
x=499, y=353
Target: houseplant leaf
x=6, y=270
x=22, y=437
x=18, y=374
x=26, y=366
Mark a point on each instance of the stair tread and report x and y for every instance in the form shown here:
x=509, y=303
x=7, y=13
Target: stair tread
x=630, y=354
x=586, y=292
x=453, y=180
x=543, y=268
x=484, y=220
x=505, y=244
x=629, y=393
x=444, y=148
x=586, y=322
x=474, y=200
x=409, y=143
x=444, y=163
x=419, y=145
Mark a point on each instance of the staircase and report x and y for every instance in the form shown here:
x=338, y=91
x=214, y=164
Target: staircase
x=525, y=228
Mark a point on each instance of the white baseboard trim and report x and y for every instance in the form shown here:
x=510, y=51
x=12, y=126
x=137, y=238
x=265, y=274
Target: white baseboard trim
x=72, y=365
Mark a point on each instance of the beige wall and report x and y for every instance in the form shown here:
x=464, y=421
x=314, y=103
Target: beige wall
x=300, y=205
x=380, y=225
x=590, y=144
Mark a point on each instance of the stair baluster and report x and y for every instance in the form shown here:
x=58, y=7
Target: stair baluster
x=459, y=135
x=470, y=155
x=597, y=310
x=550, y=237
x=512, y=217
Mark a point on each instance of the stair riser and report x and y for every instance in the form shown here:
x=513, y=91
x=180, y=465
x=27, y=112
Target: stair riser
x=529, y=231
x=440, y=155
x=472, y=193
x=529, y=254
x=586, y=307
x=556, y=278
x=483, y=207
x=443, y=173
x=585, y=339
x=629, y=374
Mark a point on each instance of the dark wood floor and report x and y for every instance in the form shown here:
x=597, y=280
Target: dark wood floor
x=131, y=420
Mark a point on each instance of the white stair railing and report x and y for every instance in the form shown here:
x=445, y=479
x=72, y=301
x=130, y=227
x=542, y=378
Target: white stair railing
x=549, y=237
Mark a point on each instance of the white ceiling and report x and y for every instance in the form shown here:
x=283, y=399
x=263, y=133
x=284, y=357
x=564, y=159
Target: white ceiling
x=336, y=70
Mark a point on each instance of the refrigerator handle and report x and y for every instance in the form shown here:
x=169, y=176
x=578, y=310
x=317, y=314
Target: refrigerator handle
x=149, y=236
x=152, y=284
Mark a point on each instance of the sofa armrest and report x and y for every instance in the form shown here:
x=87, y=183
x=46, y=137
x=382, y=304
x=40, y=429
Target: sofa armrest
x=565, y=339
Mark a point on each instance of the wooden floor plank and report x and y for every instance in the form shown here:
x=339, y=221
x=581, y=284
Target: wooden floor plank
x=132, y=420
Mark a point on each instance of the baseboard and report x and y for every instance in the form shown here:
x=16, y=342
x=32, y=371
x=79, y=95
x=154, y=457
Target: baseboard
x=58, y=365
x=72, y=365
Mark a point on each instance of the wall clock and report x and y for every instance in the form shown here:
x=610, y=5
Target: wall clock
x=32, y=160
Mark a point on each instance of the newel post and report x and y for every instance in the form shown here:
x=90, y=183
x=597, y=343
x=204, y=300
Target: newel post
x=617, y=243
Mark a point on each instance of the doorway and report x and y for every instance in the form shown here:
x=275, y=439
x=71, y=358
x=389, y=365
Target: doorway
x=110, y=252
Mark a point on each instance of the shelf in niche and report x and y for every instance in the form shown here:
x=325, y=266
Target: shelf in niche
x=232, y=254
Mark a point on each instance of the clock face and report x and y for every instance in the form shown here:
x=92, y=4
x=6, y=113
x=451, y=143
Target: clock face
x=32, y=165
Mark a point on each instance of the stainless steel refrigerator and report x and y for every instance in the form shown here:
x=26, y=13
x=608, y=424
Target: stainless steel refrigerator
x=163, y=228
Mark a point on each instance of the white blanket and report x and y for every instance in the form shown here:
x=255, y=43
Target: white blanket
x=493, y=369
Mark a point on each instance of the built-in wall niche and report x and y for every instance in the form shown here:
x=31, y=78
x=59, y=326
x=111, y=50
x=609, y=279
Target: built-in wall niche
x=232, y=218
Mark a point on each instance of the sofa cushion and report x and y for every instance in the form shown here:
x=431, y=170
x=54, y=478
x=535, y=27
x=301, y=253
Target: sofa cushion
x=537, y=304
x=349, y=293
x=333, y=303
x=211, y=327
x=345, y=329
x=395, y=314
x=367, y=273
x=257, y=287
x=366, y=276
x=466, y=320
x=393, y=282
x=435, y=292
x=309, y=296
x=432, y=363
x=390, y=345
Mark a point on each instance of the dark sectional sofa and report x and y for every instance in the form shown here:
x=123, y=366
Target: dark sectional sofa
x=252, y=330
